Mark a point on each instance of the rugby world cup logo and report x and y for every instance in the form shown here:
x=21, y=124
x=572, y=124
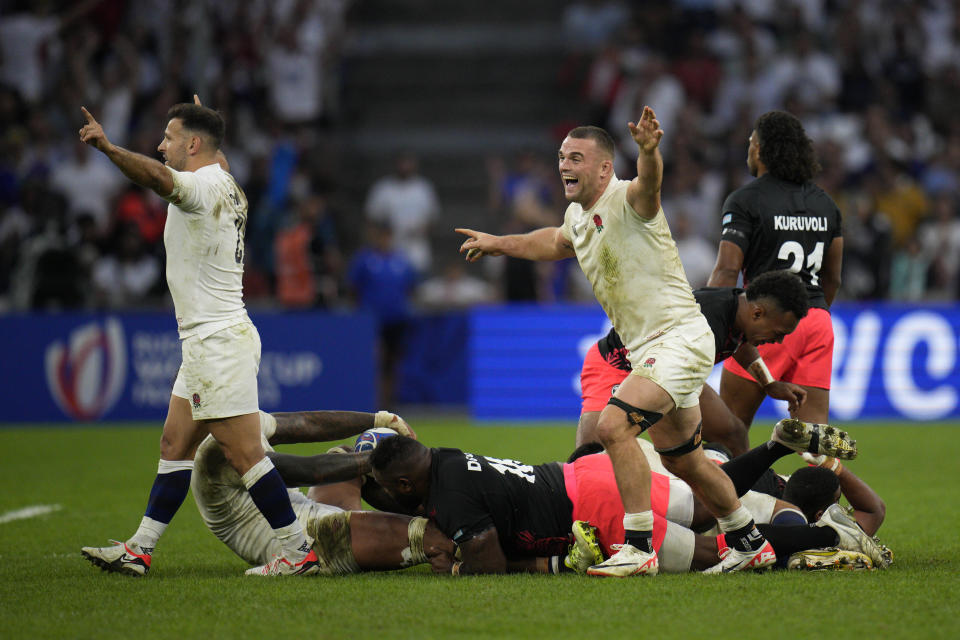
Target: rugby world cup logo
x=86, y=374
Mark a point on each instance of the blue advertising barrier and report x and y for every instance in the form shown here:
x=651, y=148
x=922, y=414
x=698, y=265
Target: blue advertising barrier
x=890, y=361
x=121, y=366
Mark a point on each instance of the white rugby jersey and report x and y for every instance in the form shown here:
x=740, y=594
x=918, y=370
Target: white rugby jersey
x=633, y=266
x=203, y=236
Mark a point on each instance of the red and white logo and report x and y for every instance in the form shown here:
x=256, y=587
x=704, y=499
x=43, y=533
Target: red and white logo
x=86, y=374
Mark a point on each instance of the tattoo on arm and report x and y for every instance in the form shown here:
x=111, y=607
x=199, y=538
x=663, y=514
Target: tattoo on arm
x=319, y=426
x=307, y=471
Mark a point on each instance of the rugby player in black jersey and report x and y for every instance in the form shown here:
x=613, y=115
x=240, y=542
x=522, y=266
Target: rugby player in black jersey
x=507, y=516
x=741, y=320
x=782, y=220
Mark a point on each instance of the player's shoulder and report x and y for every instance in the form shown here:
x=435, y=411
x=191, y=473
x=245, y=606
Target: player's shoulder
x=747, y=194
x=213, y=173
x=821, y=198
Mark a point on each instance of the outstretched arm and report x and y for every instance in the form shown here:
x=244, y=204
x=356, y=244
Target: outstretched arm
x=643, y=194
x=145, y=171
x=326, y=426
x=325, y=468
x=319, y=426
x=547, y=243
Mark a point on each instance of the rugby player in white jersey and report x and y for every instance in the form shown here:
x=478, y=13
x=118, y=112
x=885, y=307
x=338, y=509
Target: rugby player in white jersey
x=215, y=391
x=619, y=235
x=345, y=539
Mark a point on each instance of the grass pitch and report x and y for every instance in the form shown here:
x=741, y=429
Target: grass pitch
x=100, y=476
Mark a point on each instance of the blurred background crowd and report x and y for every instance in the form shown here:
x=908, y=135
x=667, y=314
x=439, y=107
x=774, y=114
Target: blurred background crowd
x=364, y=131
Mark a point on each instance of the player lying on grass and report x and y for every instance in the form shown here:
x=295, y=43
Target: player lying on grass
x=807, y=493
x=508, y=516
x=345, y=541
x=741, y=320
x=803, y=498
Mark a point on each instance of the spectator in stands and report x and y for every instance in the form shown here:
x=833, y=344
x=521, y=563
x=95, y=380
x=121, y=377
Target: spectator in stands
x=939, y=240
x=900, y=198
x=526, y=198
x=867, y=249
x=454, y=289
x=125, y=278
x=648, y=83
x=908, y=273
x=144, y=210
x=696, y=253
x=406, y=202
x=88, y=184
x=383, y=278
x=307, y=258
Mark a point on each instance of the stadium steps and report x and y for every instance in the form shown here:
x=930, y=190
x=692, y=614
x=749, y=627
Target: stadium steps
x=453, y=83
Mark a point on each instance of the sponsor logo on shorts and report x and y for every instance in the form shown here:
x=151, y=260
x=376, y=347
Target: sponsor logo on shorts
x=196, y=401
x=649, y=362
x=598, y=221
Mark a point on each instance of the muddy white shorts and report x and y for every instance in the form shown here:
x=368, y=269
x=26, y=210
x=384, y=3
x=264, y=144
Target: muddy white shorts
x=218, y=375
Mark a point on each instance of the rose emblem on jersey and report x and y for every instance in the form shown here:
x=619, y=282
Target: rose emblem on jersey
x=649, y=362
x=86, y=372
x=598, y=222
x=196, y=401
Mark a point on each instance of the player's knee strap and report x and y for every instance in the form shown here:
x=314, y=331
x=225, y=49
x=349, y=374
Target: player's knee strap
x=685, y=448
x=636, y=416
x=414, y=553
x=332, y=542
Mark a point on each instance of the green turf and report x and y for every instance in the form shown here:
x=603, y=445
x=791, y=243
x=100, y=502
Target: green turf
x=101, y=476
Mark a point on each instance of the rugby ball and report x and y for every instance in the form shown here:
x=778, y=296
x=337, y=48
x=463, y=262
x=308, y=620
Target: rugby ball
x=369, y=439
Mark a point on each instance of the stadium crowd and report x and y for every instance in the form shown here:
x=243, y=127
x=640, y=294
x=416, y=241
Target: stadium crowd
x=875, y=83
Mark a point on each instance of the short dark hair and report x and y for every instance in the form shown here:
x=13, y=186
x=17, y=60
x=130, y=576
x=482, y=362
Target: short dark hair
x=396, y=449
x=200, y=119
x=812, y=489
x=598, y=135
x=784, y=287
x=785, y=149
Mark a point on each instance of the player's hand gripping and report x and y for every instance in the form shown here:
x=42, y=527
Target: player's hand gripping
x=795, y=395
x=478, y=244
x=647, y=132
x=92, y=133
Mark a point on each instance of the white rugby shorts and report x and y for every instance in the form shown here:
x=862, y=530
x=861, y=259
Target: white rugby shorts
x=679, y=361
x=218, y=375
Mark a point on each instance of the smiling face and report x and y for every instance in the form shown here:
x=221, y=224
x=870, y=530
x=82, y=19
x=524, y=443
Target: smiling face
x=176, y=145
x=584, y=169
x=767, y=323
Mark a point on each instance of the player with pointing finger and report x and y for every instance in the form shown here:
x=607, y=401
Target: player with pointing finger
x=618, y=233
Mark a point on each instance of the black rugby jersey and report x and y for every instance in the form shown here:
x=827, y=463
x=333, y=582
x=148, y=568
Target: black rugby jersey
x=717, y=304
x=528, y=504
x=782, y=225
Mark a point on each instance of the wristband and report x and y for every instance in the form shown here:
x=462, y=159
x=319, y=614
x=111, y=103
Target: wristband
x=836, y=467
x=758, y=369
x=455, y=569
